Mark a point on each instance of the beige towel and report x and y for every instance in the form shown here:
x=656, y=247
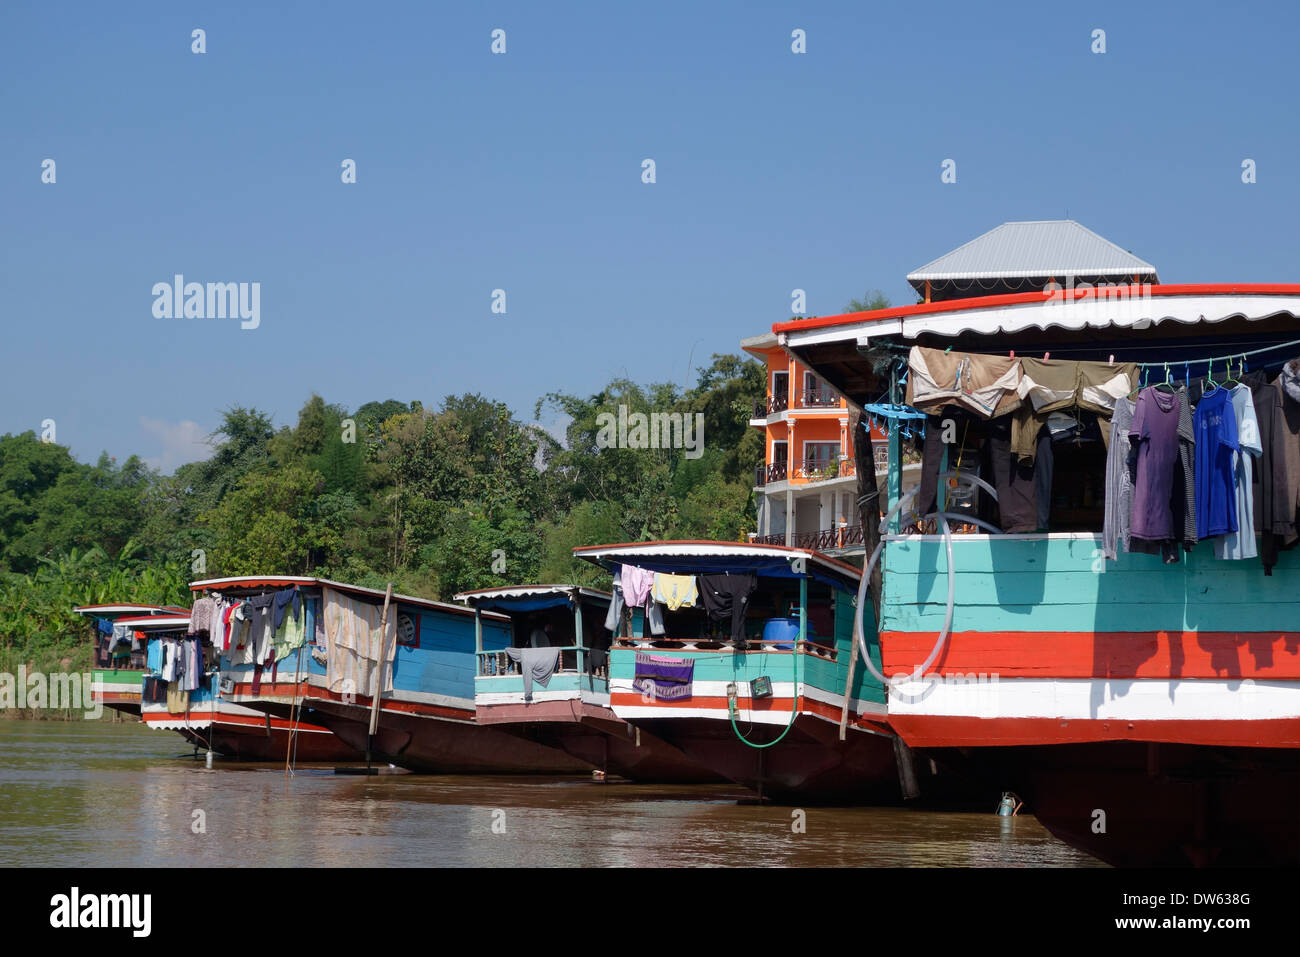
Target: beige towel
x=354, y=644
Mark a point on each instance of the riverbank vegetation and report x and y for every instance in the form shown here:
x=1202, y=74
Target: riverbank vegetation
x=437, y=499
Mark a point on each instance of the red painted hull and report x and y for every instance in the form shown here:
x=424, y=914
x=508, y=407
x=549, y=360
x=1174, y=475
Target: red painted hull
x=809, y=766
x=597, y=737
x=1135, y=804
x=1177, y=655
x=239, y=744
x=432, y=745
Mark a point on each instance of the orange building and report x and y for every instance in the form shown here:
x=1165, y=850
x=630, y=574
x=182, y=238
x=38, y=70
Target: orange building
x=806, y=486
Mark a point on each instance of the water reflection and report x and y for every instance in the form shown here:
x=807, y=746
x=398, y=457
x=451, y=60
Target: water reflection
x=97, y=794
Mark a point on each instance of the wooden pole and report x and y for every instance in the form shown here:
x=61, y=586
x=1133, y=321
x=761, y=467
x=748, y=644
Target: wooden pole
x=848, y=684
x=379, y=677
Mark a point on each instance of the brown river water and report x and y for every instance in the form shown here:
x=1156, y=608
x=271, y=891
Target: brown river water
x=87, y=793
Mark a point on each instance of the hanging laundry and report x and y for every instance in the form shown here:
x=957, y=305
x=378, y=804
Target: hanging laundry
x=170, y=669
x=1288, y=384
x=259, y=612
x=1014, y=480
x=1185, y=487
x=357, y=649
x=1120, y=463
x=725, y=597
x=1216, y=447
x=675, y=591
x=201, y=615
x=1055, y=385
x=1269, y=480
x=654, y=616
x=153, y=690
x=615, y=614
x=283, y=600
x=1155, y=433
x=291, y=634
x=227, y=616
x=984, y=384
x=637, y=583
x=661, y=678
x=191, y=653
x=1241, y=543
x=535, y=664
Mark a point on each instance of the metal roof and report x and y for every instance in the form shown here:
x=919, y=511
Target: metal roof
x=1055, y=247
x=256, y=582
x=531, y=591
x=711, y=556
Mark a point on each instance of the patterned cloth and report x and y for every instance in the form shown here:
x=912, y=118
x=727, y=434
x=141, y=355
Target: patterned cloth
x=662, y=678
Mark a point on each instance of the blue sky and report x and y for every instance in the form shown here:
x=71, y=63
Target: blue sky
x=522, y=171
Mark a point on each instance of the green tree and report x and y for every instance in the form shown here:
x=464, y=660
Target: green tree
x=871, y=300
x=268, y=524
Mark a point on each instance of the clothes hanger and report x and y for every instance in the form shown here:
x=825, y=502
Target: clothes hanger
x=1167, y=385
x=1230, y=381
x=1209, y=377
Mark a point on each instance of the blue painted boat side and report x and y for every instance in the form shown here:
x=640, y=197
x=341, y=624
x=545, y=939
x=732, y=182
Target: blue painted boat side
x=514, y=684
x=444, y=662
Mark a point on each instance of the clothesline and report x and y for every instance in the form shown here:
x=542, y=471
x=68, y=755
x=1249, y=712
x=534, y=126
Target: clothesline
x=1074, y=349
x=1227, y=358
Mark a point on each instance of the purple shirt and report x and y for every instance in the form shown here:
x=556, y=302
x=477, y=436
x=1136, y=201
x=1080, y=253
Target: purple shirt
x=1155, y=433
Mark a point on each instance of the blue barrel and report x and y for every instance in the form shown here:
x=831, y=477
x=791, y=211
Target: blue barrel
x=781, y=629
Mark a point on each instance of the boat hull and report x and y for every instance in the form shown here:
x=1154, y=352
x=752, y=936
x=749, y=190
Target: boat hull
x=1147, y=714
x=430, y=744
x=1142, y=804
x=597, y=737
x=810, y=765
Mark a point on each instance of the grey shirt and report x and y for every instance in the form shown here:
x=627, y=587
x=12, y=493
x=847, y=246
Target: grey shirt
x=1119, y=482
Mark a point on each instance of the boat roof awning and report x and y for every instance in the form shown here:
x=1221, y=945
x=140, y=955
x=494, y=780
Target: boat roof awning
x=114, y=612
x=521, y=598
x=1090, y=323
x=252, y=583
x=156, y=622
x=708, y=558
x=168, y=722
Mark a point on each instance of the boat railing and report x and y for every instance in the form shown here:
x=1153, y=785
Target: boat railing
x=773, y=645
x=497, y=664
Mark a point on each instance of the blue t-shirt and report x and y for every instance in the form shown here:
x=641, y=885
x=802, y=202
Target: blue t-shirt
x=1216, y=440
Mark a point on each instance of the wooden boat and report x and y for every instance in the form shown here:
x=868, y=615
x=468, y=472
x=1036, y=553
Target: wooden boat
x=426, y=722
x=116, y=682
x=766, y=712
x=1147, y=713
x=572, y=712
x=212, y=722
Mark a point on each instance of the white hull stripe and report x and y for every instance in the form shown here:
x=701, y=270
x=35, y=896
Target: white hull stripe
x=517, y=697
x=1099, y=698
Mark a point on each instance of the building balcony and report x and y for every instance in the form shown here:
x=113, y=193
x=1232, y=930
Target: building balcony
x=828, y=539
x=816, y=399
x=807, y=399
x=771, y=405
x=810, y=470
